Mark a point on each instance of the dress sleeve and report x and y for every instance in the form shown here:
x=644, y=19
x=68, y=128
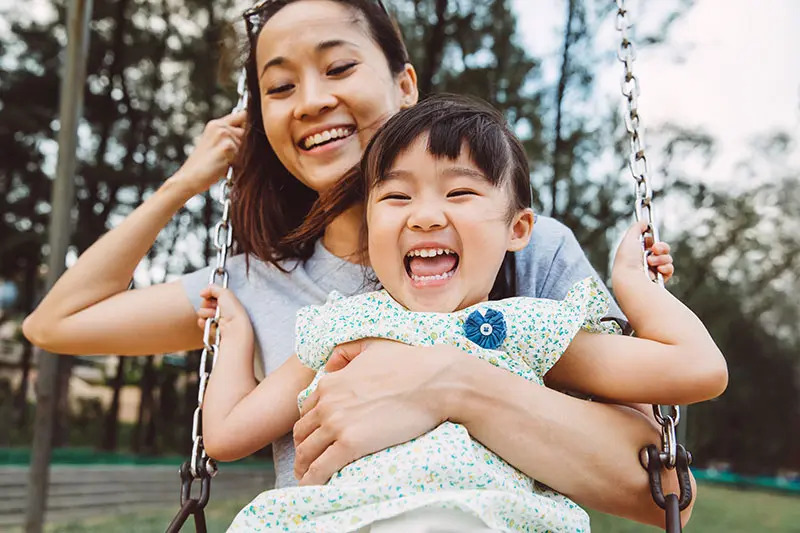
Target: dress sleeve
x=543, y=329
x=315, y=329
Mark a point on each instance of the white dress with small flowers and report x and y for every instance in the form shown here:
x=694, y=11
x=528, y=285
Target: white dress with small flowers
x=443, y=468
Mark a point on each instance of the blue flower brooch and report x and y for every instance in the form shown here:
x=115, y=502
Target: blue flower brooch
x=487, y=330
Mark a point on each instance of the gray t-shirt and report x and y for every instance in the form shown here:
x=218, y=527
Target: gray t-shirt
x=546, y=268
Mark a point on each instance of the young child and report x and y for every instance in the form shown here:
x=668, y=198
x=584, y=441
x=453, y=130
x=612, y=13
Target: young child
x=446, y=191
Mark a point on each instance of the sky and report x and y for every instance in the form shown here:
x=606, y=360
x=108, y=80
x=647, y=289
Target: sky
x=732, y=68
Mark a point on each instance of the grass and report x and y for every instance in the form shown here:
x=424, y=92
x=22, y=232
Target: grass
x=719, y=510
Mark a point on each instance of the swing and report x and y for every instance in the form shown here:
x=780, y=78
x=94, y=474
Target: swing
x=672, y=455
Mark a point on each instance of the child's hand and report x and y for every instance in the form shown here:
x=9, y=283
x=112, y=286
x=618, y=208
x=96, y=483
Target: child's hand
x=232, y=317
x=628, y=260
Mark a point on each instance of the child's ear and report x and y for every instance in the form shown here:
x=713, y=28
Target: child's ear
x=521, y=229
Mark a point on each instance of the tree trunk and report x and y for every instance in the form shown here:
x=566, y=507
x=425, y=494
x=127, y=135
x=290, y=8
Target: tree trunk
x=139, y=443
x=559, y=144
x=112, y=416
x=434, y=49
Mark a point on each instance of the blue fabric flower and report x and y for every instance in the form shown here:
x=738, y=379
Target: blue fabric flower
x=486, y=330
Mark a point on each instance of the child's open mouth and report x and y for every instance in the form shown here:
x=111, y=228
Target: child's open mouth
x=430, y=266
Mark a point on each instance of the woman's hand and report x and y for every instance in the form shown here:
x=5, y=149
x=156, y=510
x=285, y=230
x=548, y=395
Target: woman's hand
x=388, y=395
x=629, y=255
x=213, y=152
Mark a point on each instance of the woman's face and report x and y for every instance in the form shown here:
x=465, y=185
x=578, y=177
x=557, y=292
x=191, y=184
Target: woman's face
x=325, y=88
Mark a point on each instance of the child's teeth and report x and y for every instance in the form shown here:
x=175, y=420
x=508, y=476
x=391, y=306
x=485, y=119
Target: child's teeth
x=429, y=252
x=445, y=275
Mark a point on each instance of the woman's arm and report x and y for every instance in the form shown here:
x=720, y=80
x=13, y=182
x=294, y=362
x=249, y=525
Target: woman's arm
x=90, y=311
x=240, y=415
x=390, y=393
x=673, y=360
x=588, y=451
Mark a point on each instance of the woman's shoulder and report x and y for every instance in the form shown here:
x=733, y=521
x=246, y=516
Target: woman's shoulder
x=547, y=238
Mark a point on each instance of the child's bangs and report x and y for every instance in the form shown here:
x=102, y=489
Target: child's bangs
x=449, y=125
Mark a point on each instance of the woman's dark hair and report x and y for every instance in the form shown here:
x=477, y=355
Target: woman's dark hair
x=451, y=122
x=268, y=203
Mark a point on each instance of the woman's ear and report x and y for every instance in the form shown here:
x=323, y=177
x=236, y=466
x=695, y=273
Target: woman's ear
x=407, y=83
x=521, y=229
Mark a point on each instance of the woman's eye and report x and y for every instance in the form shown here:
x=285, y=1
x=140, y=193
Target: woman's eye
x=280, y=89
x=340, y=69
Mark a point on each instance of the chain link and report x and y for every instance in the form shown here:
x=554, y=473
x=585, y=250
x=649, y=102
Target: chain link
x=223, y=240
x=643, y=206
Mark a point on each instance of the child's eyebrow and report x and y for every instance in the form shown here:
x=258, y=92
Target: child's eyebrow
x=448, y=172
x=463, y=172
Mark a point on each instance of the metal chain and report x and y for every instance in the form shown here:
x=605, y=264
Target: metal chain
x=643, y=207
x=223, y=239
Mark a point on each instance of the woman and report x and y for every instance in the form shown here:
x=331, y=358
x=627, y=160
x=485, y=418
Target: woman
x=323, y=74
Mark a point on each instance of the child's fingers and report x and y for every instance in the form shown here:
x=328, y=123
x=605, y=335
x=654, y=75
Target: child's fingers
x=660, y=248
x=206, y=313
x=666, y=272
x=659, y=260
x=212, y=291
x=206, y=303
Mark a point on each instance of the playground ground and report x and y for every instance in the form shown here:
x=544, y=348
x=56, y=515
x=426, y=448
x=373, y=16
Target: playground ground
x=719, y=510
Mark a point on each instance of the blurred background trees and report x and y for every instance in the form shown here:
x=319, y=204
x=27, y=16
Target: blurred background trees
x=158, y=71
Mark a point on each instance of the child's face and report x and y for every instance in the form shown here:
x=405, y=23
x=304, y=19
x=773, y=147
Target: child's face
x=438, y=230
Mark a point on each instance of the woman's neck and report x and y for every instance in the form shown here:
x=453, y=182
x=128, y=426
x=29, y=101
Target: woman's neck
x=342, y=236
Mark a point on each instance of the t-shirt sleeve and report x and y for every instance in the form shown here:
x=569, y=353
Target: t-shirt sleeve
x=193, y=283
x=553, y=262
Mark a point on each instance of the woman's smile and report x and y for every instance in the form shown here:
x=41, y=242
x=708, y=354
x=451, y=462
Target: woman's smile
x=315, y=141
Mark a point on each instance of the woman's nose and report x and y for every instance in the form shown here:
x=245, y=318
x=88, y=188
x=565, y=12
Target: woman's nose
x=313, y=100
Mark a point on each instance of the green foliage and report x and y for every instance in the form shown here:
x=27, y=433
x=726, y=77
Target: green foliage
x=153, y=81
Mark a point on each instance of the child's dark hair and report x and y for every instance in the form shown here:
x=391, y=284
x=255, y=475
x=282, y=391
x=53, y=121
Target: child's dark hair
x=451, y=121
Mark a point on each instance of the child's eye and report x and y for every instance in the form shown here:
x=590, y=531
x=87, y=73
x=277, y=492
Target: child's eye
x=461, y=192
x=341, y=69
x=280, y=89
x=394, y=196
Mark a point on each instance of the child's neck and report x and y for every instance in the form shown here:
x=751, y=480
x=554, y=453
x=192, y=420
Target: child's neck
x=342, y=236
x=459, y=308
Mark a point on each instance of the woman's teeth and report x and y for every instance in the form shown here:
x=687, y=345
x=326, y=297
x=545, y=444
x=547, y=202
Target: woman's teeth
x=325, y=136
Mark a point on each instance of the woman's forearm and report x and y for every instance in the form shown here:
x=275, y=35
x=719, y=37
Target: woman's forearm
x=586, y=450
x=104, y=271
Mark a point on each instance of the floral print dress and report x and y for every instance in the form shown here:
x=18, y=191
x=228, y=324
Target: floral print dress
x=443, y=468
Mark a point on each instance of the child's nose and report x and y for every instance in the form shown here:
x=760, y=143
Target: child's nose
x=427, y=218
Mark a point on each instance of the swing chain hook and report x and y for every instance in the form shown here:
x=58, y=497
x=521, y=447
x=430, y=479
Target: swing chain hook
x=672, y=455
x=200, y=465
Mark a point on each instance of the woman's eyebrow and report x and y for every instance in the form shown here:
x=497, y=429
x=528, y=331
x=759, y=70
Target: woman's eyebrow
x=320, y=47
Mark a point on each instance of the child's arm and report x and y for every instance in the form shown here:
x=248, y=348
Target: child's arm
x=240, y=415
x=673, y=360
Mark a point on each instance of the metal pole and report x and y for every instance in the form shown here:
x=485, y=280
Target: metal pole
x=62, y=198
